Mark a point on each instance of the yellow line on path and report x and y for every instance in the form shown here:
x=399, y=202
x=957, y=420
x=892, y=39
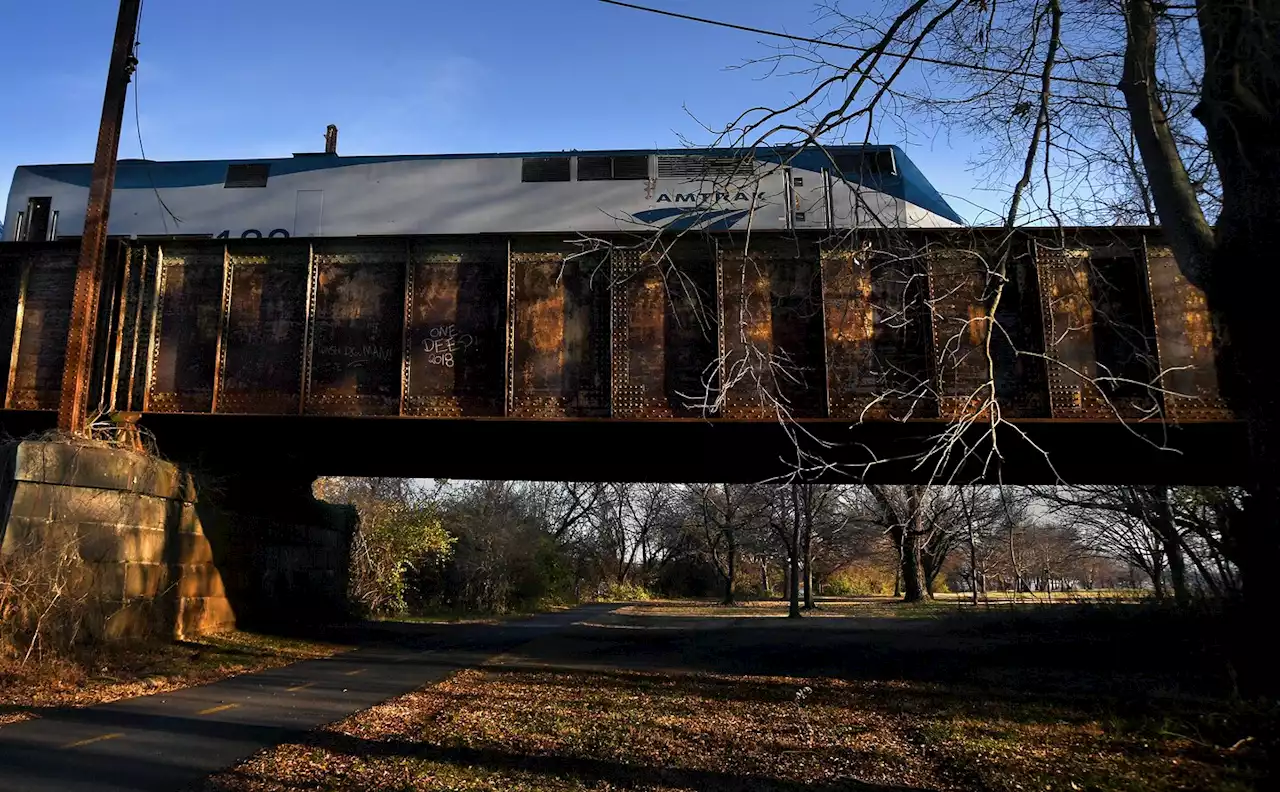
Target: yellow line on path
x=91, y=740
x=219, y=708
x=357, y=671
x=296, y=688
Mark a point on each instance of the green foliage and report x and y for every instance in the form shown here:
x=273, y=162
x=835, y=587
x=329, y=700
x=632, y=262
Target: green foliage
x=392, y=540
x=625, y=592
x=860, y=581
x=399, y=532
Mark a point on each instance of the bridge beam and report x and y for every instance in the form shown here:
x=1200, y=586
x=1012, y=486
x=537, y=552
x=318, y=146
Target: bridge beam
x=901, y=334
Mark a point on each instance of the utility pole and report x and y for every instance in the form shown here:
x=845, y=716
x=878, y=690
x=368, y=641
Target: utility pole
x=73, y=407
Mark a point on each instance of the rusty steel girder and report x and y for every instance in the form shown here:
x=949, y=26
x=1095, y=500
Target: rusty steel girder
x=1086, y=325
x=83, y=319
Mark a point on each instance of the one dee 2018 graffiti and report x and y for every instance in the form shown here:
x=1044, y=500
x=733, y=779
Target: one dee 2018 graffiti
x=444, y=344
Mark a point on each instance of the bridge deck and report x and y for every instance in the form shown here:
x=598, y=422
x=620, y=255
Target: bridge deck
x=909, y=331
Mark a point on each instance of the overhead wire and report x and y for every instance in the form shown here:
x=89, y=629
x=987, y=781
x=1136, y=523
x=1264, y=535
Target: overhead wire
x=855, y=48
x=137, y=125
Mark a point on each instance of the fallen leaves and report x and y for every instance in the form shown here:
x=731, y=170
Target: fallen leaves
x=600, y=719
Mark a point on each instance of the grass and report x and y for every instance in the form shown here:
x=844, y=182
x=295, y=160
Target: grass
x=443, y=615
x=115, y=671
x=975, y=702
x=942, y=605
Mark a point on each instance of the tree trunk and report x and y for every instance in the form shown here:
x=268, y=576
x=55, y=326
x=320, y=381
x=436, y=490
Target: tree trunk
x=731, y=579
x=793, y=590
x=973, y=548
x=896, y=533
x=1167, y=532
x=1013, y=564
x=1186, y=228
x=764, y=579
x=1157, y=581
x=913, y=578
x=1240, y=112
x=808, y=547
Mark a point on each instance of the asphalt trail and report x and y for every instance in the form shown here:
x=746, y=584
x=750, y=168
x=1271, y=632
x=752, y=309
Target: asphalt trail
x=168, y=741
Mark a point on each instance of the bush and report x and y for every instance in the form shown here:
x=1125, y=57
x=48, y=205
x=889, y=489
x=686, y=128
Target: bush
x=858, y=581
x=390, y=541
x=625, y=592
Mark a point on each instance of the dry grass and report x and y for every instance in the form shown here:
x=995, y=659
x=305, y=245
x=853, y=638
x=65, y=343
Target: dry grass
x=881, y=606
x=827, y=607
x=112, y=672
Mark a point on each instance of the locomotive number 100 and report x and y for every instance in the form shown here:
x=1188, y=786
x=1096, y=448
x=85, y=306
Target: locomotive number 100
x=253, y=233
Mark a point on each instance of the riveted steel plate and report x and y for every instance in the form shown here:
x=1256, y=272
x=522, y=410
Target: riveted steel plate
x=357, y=333
x=1124, y=334
x=185, y=354
x=796, y=308
x=980, y=360
x=877, y=335
x=457, y=329
x=560, y=333
x=1184, y=332
x=961, y=293
x=746, y=323
x=1068, y=330
x=12, y=265
x=1099, y=360
x=42, y=323
x=664, y=332
x=265, y=329
x=140, y=336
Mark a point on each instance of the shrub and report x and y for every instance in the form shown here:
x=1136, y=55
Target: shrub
x=858, y=581
x=625, y=592
x=392, y=540
x=45, y=602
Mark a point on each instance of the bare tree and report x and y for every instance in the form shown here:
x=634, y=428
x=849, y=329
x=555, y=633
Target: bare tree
x=720, y=515
x=901, y=511
x=637, y=530
x=983, y=516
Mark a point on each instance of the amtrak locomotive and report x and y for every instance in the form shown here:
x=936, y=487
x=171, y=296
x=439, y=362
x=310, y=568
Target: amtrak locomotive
x=566, y=192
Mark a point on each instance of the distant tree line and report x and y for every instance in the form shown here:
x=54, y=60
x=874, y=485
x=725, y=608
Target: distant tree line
x=492, y=546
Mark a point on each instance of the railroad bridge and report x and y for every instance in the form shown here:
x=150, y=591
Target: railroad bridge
x=697, y=358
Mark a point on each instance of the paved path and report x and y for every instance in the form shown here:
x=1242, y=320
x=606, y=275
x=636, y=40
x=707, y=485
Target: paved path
x=169, y=741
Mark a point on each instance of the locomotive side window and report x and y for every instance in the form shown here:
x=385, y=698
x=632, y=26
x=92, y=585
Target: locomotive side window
x=626, y=168
x=544, y=169
x=247, y=175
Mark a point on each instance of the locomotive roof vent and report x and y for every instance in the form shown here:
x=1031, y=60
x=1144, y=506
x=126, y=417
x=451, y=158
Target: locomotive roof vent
x=330, y=145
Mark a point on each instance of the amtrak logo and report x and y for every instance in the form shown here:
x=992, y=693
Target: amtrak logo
x=704, y=198
x=700, y=215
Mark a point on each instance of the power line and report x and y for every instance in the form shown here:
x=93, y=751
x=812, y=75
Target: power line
x=855, y=48
x=137, y=125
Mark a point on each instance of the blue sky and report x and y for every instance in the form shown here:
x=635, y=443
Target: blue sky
x=241, y=78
